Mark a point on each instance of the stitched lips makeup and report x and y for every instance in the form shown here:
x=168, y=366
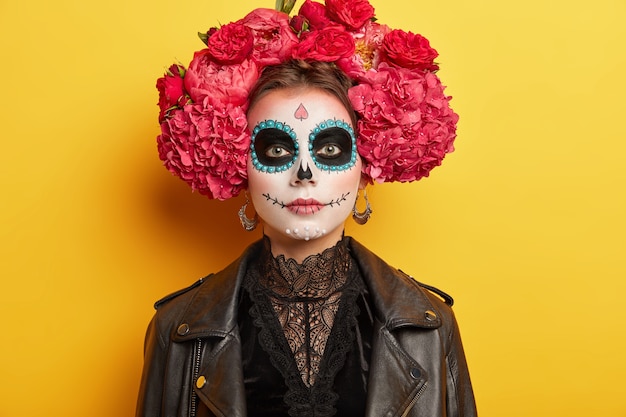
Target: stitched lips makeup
x=304, y=206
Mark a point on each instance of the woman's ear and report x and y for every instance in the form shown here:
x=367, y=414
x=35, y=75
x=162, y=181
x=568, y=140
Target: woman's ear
x=363, y=183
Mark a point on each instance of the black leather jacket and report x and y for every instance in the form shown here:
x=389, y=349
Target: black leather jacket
x=193, y=363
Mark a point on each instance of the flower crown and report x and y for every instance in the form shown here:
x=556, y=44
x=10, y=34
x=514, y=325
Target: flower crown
x=405, y=124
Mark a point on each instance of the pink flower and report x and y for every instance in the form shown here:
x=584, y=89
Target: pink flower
x=273, y=37
x=223, y=83
x=328, y=45
x=408, y=50
x=315, y=14
x=207, y=147
x=231, y=44
x=353, y=14
x=368, y=41
x=405, y=123
x=171, y=93
x=406, y=126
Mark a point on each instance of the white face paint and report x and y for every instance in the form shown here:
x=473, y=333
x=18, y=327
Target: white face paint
x=303, y=170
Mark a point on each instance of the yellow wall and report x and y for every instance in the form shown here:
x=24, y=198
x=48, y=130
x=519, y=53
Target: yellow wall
x=524, y=224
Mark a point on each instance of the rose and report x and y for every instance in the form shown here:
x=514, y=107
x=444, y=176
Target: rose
x=273, y=37
x=328, y=45
x=409, y=50
x=299, y=24
x=315, y=14
x=351, y=13
x=207, y=148
x=224, y=83
x=231, y=44
x=171, y=93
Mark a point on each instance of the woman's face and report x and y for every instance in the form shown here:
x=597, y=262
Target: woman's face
x=304, y=170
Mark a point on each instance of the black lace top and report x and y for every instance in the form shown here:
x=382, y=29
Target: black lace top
x=306, y=333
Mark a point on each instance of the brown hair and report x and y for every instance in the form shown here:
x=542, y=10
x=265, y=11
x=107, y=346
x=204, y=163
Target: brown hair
x=300, y=74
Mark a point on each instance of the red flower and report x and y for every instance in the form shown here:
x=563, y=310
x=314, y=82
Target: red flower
x=223, y=83
x=273, y=37
x=405, y=126
x=171, y=93
x=408, y=50
x=328, y=45
x=231, y=44
x=351, y=13
x=315, y=14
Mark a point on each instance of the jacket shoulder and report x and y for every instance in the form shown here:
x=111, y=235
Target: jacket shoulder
x=180, y=292
x=447, y=298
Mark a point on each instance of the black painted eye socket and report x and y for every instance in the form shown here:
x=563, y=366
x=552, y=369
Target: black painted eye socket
x=274, y=147
x=332, y=147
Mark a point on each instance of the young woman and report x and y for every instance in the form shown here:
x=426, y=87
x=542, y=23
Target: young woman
x=307, y=322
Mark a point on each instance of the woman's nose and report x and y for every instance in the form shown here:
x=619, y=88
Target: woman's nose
x=304, y=173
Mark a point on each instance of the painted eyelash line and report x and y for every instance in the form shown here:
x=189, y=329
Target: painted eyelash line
x=326, y=125
x=272, y=124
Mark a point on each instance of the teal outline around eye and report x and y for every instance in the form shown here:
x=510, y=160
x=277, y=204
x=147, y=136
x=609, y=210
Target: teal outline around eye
x=272, y=124
x=326, y=125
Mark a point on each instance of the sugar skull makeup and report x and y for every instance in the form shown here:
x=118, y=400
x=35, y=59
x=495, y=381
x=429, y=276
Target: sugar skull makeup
x=304, y=170
x=275, y=147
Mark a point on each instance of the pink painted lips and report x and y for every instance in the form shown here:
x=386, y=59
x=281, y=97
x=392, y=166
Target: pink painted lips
x=304, y=206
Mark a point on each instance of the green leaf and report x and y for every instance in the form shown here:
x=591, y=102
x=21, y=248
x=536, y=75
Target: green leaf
x=285, y=6
x=204, y=37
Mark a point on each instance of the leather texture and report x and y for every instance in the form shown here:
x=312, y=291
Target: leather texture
x=192, y=353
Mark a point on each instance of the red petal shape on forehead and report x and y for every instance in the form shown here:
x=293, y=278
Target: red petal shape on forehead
x=301, y=113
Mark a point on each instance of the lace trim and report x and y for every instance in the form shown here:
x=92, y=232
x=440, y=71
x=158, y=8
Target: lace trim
x=306, y=298
x=306, y=397
x=318, y=277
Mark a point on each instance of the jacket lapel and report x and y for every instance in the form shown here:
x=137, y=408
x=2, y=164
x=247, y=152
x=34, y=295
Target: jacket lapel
x=220, y=381
x=404, y=335
x=212, y=318
x=396, y=380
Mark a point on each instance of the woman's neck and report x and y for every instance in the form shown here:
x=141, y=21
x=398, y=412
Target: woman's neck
x=298, y=249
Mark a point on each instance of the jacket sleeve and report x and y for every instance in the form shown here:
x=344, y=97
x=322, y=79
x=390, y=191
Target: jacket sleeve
x=151, y=388
x=460, y=396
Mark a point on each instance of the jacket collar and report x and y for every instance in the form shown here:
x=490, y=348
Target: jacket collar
x=398, y=299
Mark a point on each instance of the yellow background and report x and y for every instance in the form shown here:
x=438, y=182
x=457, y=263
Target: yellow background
x=524, y=224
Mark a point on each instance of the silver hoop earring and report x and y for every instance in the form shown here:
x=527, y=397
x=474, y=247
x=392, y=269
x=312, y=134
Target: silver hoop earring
x=247, y=223
x=364, y=216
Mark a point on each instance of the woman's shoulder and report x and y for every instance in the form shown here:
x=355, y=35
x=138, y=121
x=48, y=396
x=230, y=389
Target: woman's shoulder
x=180, y=294
x=431, y=290
x=219, y=282
x=396, y=293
